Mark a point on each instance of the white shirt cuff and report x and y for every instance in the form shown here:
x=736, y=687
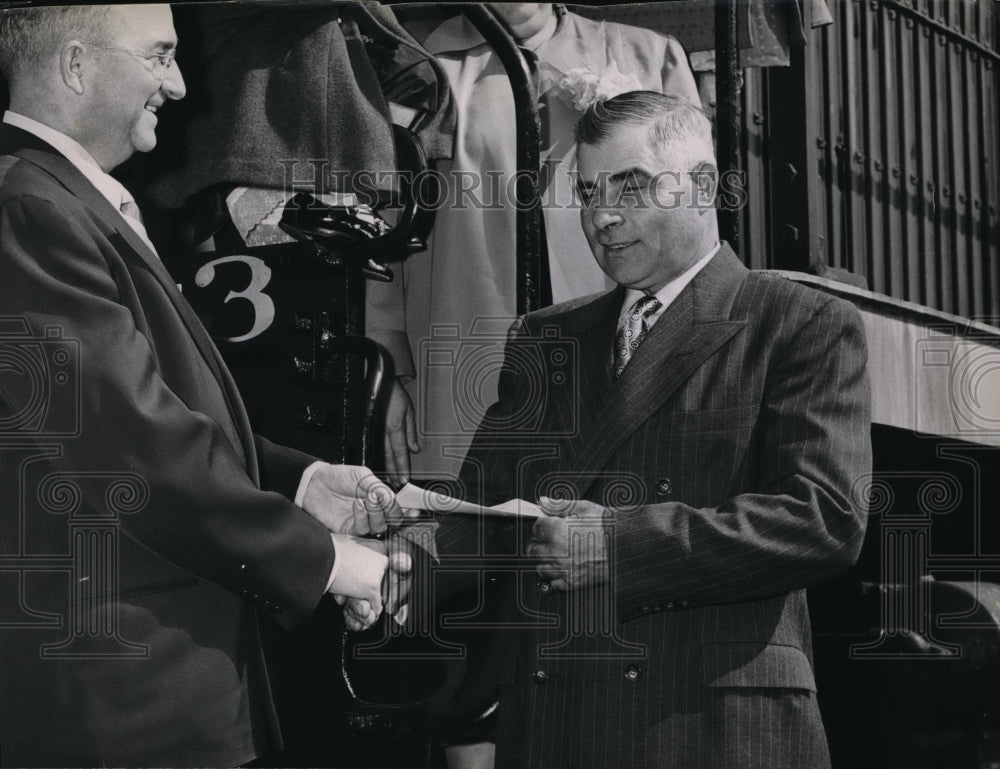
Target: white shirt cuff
x=304, y=482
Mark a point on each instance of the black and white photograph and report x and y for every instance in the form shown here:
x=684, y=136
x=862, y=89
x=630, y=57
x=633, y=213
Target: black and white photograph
x=410, y=385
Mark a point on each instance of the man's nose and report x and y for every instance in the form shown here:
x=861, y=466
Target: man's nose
x=173, y=84
x=606, y=217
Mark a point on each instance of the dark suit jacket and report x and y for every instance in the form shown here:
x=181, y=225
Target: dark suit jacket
x=729, y=449
x=139, y=475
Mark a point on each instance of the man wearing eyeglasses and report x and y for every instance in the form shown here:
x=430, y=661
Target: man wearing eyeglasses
x=696, y=438
x=143, y=527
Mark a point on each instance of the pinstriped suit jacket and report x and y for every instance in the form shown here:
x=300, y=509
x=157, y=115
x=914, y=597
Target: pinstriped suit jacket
x=728, y=450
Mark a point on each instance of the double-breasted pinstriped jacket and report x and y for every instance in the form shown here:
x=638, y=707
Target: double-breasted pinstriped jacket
x=730, y=453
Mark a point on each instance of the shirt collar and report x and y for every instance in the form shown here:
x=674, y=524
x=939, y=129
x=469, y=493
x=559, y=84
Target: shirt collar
x=668, y=293
x=74, y=152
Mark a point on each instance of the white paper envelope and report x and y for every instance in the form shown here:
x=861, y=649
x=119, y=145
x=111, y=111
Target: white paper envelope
x=416, y=498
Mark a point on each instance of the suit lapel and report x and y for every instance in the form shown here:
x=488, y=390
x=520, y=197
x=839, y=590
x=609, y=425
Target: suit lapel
x=595, y=342
x=690, y=330
x=37, y=152
x=33, y=150
x=573, y=409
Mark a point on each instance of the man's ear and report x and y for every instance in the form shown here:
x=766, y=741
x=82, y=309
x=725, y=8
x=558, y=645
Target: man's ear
x=71, y=66
x=705, y=177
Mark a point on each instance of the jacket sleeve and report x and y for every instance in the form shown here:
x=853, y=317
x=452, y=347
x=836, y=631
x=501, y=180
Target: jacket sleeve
x=281, y=467
x=801, y=523
x=204, y=513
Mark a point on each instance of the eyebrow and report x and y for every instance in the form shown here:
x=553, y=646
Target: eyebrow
x=636, y=173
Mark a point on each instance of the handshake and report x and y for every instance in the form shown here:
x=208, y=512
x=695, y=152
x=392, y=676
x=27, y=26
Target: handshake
x=369, y=575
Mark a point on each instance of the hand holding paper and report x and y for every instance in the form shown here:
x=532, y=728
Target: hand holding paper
x=570, y=541
x=349, y=499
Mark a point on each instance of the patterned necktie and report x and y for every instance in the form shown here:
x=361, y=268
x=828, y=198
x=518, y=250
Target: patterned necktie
x=632, y=330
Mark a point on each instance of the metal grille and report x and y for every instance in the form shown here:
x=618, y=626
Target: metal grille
x=909, y=147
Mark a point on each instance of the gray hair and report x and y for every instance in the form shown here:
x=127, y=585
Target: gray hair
x=29, y=35
x=677, y=128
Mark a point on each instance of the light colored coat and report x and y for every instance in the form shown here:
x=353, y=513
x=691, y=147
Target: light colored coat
x=466, y=279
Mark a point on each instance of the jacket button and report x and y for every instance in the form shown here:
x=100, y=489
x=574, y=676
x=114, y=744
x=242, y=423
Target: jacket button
x=670, y=605
x=684, y=604
x=540, y=676
x=664, y=486
x=544, y=587
x=632, y=673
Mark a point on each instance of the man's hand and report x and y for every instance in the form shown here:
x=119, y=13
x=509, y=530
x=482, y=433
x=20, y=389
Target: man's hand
x=350, y=500
x=400, y=434
x=398, y=579
x=360, y=614
x=359, y=581
x=571, y=543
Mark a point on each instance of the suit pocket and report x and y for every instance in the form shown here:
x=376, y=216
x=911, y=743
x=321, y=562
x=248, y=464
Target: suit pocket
x=757, y=665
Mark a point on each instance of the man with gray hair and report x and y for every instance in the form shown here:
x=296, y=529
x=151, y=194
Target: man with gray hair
x=144, y=527
x=693, y=438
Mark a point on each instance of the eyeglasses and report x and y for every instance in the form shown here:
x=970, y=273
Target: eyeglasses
x=159, y=63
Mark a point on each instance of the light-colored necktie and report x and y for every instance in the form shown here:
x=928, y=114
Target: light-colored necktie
x=632, y=330
x=130, y=210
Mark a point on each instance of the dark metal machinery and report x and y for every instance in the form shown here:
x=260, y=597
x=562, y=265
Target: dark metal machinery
x=530, y=226
x=728, y=124
x=312, y=380
x=308, y=375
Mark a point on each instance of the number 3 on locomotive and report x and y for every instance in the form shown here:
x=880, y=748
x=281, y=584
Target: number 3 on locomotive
x=260, y=276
